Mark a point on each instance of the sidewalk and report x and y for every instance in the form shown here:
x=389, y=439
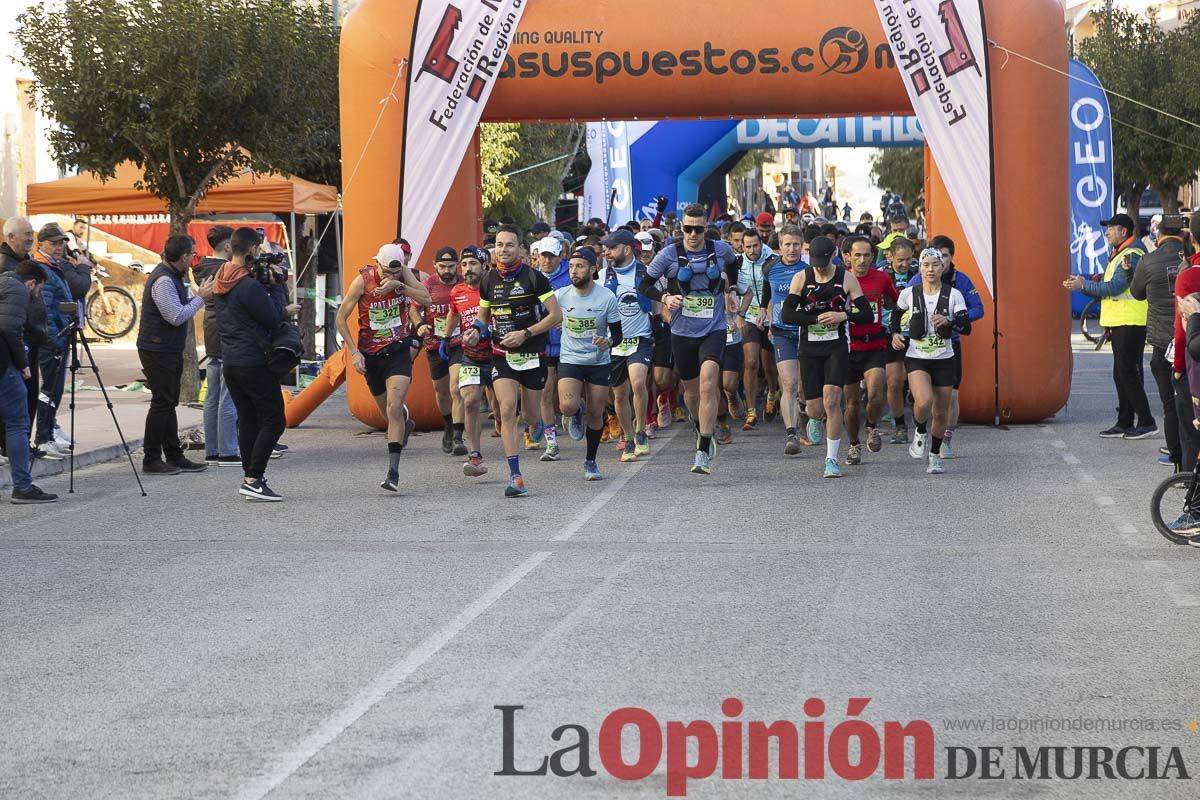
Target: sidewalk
x=96, y=438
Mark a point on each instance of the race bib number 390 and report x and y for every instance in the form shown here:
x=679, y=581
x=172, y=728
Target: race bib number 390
x=699, y=306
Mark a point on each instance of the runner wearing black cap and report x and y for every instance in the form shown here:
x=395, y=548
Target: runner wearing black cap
x=443, y=346
x=472, y=375
x=821, y=300
x=632, y=356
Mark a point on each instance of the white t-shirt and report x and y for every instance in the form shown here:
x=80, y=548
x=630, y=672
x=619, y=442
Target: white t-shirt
x=932, y=347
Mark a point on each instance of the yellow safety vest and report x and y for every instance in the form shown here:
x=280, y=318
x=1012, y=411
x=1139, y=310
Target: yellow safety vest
x=1122, y=309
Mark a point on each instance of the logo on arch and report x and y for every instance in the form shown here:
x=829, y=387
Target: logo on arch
x=844, y=51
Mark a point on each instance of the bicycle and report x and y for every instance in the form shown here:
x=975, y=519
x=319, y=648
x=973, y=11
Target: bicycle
x=1089, y=323
x=1170, y=499
x=111, y=311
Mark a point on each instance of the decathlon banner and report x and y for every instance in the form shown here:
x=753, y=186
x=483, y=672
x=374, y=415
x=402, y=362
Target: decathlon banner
x=941, y=54
x=1091, y=163
x=457, y=52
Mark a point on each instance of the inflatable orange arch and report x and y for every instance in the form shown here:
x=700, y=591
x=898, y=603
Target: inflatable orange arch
x=1018, y=360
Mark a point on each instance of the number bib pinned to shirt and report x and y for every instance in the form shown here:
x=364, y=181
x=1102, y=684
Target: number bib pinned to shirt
x=932, y=346
x=627, y=347
x=469, y=375
x=523, y=361
x=754, y=314
x=385, y=318
x=579, y=327
x=699, y=306
x=823, y=333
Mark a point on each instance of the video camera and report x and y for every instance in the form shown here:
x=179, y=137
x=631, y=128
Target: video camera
x=261, y=268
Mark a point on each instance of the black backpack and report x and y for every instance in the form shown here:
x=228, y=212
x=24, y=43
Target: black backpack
x=284, y=351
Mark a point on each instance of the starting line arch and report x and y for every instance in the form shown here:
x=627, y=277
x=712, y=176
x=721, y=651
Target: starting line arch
x=1018, y=360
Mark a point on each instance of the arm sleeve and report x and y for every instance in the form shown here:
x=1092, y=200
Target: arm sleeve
x=649, y=286
x=167, y=300
x=615, y=334
x=960, y=317
x=862, y=314
x=792, y=315
x=970, y=296
x=766, y=293
x=731, y=267
x=898, y=314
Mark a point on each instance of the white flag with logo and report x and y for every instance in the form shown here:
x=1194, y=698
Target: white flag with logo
x=942, y=57
x=458, y=51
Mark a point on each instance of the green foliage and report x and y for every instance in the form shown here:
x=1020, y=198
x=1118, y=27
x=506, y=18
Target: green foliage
x=532, y=194
x=901, y=169
x=1132, y=56
x=192, y=91
x=497, y=149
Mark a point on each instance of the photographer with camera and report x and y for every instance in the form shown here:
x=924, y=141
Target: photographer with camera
x=250, y=308
x=167, y=310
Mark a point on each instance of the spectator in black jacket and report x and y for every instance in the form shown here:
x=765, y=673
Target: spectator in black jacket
x=220, y=414
x=18, y=241
x=17, y=244
x=248, y=316
x=16, y=286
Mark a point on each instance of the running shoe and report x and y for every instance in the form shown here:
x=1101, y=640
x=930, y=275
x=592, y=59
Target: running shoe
x=641, y=443
x=1164, y=451
x=1115, y=432
x=448, y=441
x=900, y=436
x=832, y=470
x=574, y=425
x=530, y=444
x=1187, y=523
x=854, y=455
x=591, y=472
x=947, y=451
x=917, y=448
x=935, y=465
x=737, y=409
x=537, y=431
x=723, y=435
x=751, y=420
x=409, y=427
x=651, y=432
x=628, y=452
x=474, y=466
x=771, y=408
x=1194, y=541
x=874, y=440
x=792, y=448
x=516, y=487
x=1163, y=460
x=664, y=413
x=679, y=414
x=551, y=452
x=1141, y=432
x=391, y=481
x=703, y=464
x=613, y=428
x=460, y=448
x=815, y=430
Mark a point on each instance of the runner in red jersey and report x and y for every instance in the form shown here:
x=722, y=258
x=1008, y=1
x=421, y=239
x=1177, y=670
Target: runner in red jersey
x=442, y=344
x=868, y=347
x=380, y=295
x=471, y=374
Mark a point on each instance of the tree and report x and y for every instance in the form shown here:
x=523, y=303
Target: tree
x=532, y=193
x=900, y=169
x=191, y=91
x=1132, y=56
x=496, y=151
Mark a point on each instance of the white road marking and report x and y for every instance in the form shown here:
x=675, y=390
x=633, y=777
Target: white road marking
x=1058, y=444
x=287, y=763
x=1162, y=571
x=1071, y=459
x=1105, y=500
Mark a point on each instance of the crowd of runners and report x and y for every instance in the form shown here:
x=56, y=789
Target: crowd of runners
x=612, y=335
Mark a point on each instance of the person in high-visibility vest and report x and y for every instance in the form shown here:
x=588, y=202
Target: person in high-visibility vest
x=1125, y=319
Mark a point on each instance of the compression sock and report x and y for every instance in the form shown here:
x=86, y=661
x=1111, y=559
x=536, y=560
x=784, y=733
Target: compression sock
x=935, y=446
x=832, y=446
x=593, y=442
x=394, y=449
x=704, y=443
x=552, y=434
x=920, y=426
x=514, y=466
x=901, y=424
x=447, y=421
x=458, y=429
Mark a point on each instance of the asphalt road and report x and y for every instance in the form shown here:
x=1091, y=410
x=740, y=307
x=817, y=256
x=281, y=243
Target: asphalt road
x=351, y=644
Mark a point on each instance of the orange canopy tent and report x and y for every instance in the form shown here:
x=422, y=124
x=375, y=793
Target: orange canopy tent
x=85, y=194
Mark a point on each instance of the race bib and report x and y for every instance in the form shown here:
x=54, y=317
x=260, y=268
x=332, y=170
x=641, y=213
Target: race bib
x=822, y=333
x=754, y=314
x=931, y=346
x=730, y=334
x=627, y=347
x=523, y=361
x=699, y=306
x=439, y=327
x=579, y=327
x=502, y=324
x=469, y=375
x=385, y=319
x=875, y=309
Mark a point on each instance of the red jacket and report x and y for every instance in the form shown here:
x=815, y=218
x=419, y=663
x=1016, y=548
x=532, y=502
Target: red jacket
x=1186, y=282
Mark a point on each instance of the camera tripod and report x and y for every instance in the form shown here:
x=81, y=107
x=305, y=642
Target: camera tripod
x=77, y=341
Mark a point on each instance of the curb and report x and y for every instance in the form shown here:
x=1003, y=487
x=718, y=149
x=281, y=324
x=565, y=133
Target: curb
x=43, y=468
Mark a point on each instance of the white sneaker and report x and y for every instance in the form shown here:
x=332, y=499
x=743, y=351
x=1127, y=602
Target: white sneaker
x=61, y=437
x=935, y=465
x=917, y=448
x=57, y=449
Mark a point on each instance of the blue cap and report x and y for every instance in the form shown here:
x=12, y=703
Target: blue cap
x=618, y=237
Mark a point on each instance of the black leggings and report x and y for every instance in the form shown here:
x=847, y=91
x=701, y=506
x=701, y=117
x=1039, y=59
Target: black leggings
x=1129, y=345
x=259, y=403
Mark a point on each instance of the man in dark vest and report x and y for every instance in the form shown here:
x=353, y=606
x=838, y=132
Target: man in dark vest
x=167, y=310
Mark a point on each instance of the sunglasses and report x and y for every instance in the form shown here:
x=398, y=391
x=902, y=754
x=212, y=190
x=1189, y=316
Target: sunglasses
x=693, y=228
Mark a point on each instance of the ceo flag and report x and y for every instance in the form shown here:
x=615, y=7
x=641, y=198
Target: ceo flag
x=1091, y=171
x=458, y=51
x=941, y=54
